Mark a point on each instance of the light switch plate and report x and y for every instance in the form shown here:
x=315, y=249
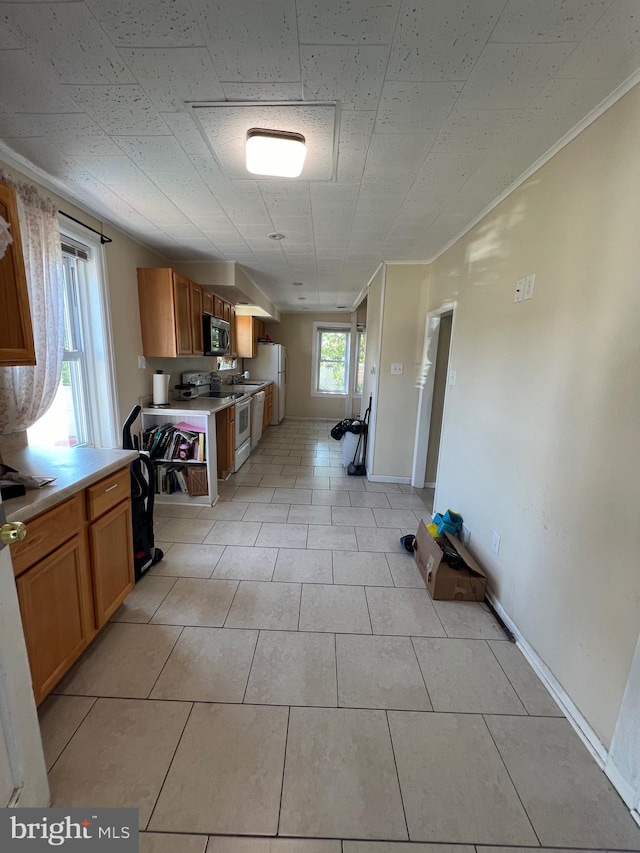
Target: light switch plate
x=397, y=369
x=452, y=377
x=142, y=362
x=518, y=296
x=529, y=284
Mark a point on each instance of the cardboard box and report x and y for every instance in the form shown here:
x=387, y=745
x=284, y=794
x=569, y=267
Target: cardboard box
x=443, y=582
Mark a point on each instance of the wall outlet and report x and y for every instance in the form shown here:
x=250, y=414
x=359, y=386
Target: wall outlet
x=529, y=284
x=142, y=362
x=466, y=535
x=397, y=369
x=495, y=542
x=518, y=296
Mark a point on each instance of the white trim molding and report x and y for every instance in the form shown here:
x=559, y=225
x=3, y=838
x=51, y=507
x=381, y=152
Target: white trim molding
x=379, y=478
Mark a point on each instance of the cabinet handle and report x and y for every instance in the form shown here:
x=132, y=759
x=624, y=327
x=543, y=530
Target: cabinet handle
x=111, y=488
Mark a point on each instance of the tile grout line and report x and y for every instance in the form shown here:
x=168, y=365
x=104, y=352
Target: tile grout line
x=224, y=621
x=335, y=657
x=253, y=657
x=508, y=679
x=73, y=733
x=424, y=680
x=395, y=764
x=284, y=767
x=186, y=722
x=504, y=764
x=162, y=668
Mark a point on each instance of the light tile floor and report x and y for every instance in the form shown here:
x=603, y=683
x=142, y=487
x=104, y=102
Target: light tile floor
x=282, y=683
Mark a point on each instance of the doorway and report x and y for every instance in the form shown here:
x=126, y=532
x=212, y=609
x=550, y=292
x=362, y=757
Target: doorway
x=432, y=396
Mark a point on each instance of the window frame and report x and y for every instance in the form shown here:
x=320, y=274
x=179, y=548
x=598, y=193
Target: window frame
x=318, y=328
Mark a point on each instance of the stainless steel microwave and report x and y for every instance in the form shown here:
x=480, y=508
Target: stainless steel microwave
x=215, y=335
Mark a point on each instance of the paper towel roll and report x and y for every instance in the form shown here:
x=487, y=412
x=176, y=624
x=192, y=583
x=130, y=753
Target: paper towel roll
x=160, y=388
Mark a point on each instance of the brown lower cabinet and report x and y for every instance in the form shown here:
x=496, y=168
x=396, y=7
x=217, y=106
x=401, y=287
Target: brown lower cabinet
x=268, y=407
x=226, y=441
x=73, y=571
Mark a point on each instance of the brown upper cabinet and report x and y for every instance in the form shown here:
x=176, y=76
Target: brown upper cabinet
x=16, y=333
x=218, y=307
x=248, y=331
x=207, y=302
x=170, y=313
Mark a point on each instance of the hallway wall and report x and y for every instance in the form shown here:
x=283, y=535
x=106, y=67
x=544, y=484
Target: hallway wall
x=540, y=439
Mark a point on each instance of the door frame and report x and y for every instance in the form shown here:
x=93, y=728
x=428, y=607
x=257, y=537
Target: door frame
x=19, y=726
x=425, y=395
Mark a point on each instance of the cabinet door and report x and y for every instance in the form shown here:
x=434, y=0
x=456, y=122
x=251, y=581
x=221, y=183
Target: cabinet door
x=233, y=347
x=56, y=613
x=195, y=294
x=207, y=302
x=231, y=439
x=246, y=340
x=218, y=307
x=182, y=302
x=110, y=544
x=16, y=334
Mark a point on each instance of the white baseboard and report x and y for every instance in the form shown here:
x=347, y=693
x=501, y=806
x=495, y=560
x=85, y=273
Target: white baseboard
x=376, y=478
x=430, y=485
x=621, y=785
x=566, y=705
x=636, y=816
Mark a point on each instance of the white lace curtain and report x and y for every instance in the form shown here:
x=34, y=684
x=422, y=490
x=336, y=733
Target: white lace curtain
x=27, y=392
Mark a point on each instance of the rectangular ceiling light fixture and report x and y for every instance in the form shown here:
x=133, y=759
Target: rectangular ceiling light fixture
x=277, y=153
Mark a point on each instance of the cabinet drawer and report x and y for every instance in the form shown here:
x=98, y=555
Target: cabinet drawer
x=108, y=493
x=46, y=532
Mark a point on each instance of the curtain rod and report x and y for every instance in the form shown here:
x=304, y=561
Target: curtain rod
x=103, y=239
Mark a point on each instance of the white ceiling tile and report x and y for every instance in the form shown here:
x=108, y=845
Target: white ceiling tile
x=117, y=169
x=351, y=75
x=147, y=23
x=42, y=28
x=548, y=20
x=252, y=41
x=172, y=76
x=124, y=110
x=154, y=153
x=208, y=169
x=356, y=22
x=262, y=91
x=184, y=232
x=469, y=130
x=562, y=104
x=44, y=154
x=442, y=39
x=185, y=130
x=415, y=107
x=26, y=89
x=510, y=76
x=398, y=153
x=292, y=200
x=612, y=48
x=226, y=124
x=73, y=134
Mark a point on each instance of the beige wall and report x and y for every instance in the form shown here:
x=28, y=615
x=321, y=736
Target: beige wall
x=540, y=439
x=295, y=331
x=121, y=259
x=403, y=322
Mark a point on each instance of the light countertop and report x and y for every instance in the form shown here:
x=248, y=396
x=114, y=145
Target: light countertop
x=204, y=405
x=75, y=468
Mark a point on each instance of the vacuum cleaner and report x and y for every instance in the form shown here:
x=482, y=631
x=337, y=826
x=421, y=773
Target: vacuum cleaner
x=143, y=486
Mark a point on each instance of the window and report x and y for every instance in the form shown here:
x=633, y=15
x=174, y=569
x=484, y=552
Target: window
x=83, y=410
x=331, y=358
x=361, y=344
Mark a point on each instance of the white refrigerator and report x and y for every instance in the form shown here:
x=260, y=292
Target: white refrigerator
x=270, y=365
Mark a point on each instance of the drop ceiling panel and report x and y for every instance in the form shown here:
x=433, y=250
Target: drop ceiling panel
x=612, y=48
x=524, y=21
x=509, y=76
x=415, y=107
x=473, y=130
x=147, y=23
x=442, y=39
x=252, y=41
x=171, y=76
x=225, y=124
x=353, y=75
x=119, y=109
x=463, y=96
x=337, y=22
x=27, y=88
x=42, y=28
